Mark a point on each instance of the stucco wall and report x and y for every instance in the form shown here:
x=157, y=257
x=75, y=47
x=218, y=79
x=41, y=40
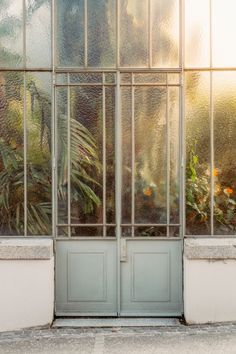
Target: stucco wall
x=27, y=284
x=210, y=280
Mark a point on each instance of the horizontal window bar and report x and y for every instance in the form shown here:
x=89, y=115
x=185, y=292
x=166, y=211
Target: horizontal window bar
x=137, y=225
x=83, y=225
x=87, y=84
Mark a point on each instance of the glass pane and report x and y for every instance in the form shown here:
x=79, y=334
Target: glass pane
x=86, y=231
x=11, y=34
x=39, y=144
x=198, y=157
x=174, y=153
x=165, y=33
x=62, y=155
x=70, y=33
x=110, y=78
x=11, y=154
x=86, y=78
x=224, y=89
x=38, y=34
x=125, y=78
x=110, y=154
x=223, y=33
x=86, y=154
x=150, y=155
x=197, y=33
x=126, y=114
x=156, y=78
x=150, y=231
x=134, y=33
x=101, y=33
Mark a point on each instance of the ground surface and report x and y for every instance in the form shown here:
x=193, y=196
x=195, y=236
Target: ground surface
x=217, y=339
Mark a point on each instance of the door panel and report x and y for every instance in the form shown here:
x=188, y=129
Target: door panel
x=151, y=278
x=86, y=278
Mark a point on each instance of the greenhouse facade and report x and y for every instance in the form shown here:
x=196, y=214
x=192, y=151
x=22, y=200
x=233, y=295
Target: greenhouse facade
x=117, y=144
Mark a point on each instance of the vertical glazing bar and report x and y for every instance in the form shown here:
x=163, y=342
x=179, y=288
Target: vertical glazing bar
x=182, y=134
x=85, y=33
x=212, y=152
x=211, y=126
x=168, y=159
x=117, y=33
x=150, y=32
x=118, y=182
x=25, y=158
x=53, y=157
x=68, y=157
x=104, y=169
x=24, y=34
x=133, y=159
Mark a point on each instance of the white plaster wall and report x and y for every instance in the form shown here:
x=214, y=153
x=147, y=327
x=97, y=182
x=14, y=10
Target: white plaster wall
x=209, y=290
x=26, y=293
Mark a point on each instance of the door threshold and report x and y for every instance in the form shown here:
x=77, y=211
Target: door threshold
x=114, y=322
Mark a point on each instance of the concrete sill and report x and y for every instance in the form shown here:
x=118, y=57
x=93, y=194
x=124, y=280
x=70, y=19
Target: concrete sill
x=210, y=248
x=26, y=249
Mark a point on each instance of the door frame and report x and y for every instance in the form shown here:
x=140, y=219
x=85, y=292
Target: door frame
x=118, y=167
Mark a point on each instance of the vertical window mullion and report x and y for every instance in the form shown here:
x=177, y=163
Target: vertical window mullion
x=68, y=157
x=104, y=152
x=168, y=159
x=133, y=158
x=86, y=33
x=25, y=158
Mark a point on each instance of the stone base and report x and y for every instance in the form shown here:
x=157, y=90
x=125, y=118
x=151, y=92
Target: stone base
x=27, y=284
x=209, y=280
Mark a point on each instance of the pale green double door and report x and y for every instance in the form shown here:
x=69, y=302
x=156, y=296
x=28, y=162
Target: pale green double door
x=118, y=152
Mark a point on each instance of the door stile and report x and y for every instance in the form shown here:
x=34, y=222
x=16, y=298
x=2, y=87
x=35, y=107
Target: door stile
x=118, y=177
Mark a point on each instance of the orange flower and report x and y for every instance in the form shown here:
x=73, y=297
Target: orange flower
x=215, y=172
x=147, y=191
x=228, y=190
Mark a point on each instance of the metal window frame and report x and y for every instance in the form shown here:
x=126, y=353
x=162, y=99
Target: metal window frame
x=181, y=69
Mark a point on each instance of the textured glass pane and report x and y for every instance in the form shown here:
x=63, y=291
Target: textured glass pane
x=101, y=33
x=197, y=33
x=150, y=155
x=39, y=144
x=150, y=231
x=62, y=155
x=174, y=153
x=86, y=154
x=198, y=158
x=173, y=79
x=11, y=34
x=110, y=154
x=86, y=231
x=126, y=116
x=126, y=232
x=224, y=98
x=70, y=33
x=86, y=78
x=156, y=78
x=38, y=34
x=165, y=33
x=134, y=33
x=11, y=154
x=223, y=33
x=110, y=78
x=125, y=78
